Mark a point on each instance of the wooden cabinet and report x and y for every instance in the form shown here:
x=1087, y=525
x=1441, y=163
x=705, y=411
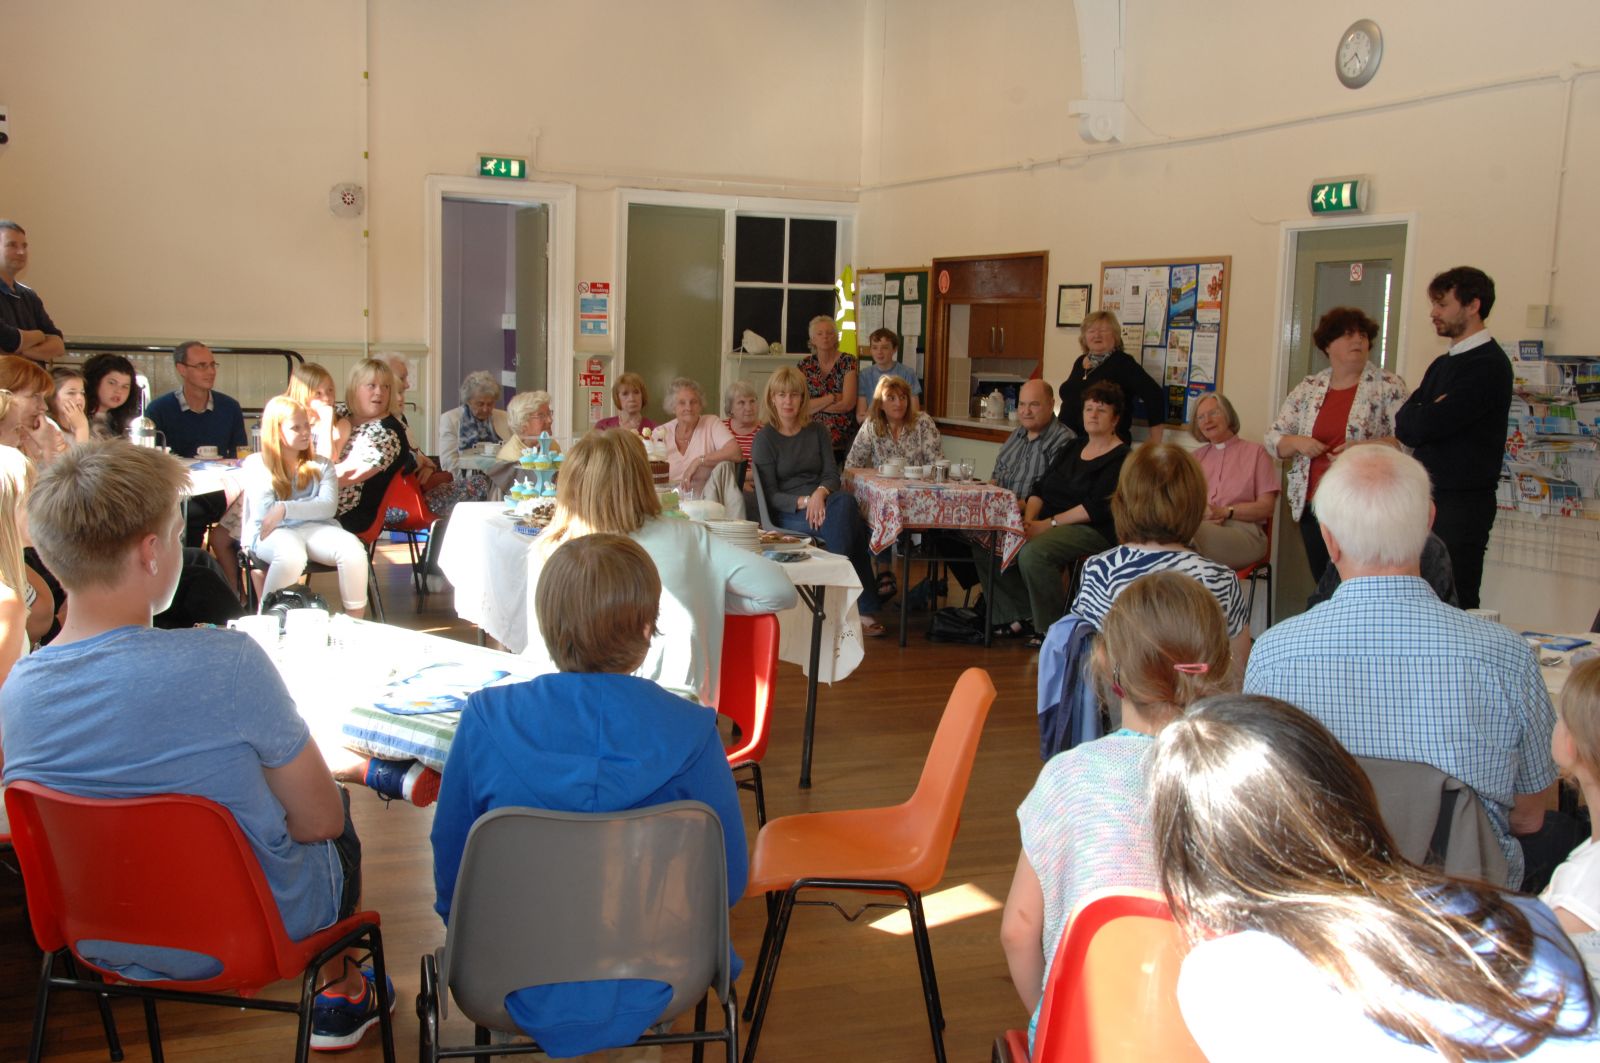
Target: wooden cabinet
x=1006, y=330
x=999, y=300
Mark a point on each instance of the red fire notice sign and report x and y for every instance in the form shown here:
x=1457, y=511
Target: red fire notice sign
x=1356, y=271
x=593, y=375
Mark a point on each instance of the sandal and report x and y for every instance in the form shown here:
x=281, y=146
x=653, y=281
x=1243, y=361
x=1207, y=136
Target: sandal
x=872, y=629
x=1034, y=642
x=887, y=585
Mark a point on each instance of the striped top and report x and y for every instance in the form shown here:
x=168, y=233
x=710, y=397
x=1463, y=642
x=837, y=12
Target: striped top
x=1394, y=672
x=1105, y=575
x=1022, y=461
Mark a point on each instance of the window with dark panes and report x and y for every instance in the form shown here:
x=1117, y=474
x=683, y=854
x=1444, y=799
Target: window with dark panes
x=783, y=276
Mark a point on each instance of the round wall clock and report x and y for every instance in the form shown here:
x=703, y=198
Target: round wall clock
x=1359, y=53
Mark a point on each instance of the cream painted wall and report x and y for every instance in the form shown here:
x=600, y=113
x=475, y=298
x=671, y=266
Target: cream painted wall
x=172, y=158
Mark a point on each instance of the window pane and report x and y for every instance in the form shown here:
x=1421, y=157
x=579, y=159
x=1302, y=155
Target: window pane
x=811, y=250
x=758, y=250
x=803, y=306
x=760, y=309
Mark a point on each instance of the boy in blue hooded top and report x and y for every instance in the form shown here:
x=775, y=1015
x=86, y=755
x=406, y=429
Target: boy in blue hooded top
x=591, y=738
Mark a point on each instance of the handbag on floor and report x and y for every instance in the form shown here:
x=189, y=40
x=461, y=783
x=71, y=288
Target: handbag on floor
x=955, y=623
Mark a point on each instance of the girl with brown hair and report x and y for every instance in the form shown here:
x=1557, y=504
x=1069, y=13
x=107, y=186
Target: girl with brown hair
x=1084, y=827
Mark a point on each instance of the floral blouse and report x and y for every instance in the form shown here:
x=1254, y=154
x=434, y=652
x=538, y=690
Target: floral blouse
x=375, y=444
x=820, y=383
x=918, y=444
x=1379, y=396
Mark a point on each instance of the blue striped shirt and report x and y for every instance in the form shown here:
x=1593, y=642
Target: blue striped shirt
x=1394, y=672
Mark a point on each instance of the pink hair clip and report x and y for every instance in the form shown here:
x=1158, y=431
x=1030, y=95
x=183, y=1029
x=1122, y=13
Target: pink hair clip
x=1200, y=668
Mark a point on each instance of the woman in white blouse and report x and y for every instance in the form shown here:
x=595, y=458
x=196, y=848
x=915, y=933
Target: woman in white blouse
x=893, y=430
x=1350, y=402
x=290, y=496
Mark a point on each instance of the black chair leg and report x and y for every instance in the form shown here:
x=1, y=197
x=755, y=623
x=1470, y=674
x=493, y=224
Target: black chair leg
x=152, y=1027
x=761, y=797
x=930, y=983
x=762, y=992
x=730, y=1016
x=41, y=1010
x=480, y=1037
x=103, y=1000
x=761, y=956
x=700, y=1027
x=380, y=979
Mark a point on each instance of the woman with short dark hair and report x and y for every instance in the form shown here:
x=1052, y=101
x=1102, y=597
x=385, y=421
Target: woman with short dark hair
x=1350, y=402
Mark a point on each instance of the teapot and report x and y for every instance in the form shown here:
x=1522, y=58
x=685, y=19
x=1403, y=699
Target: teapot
x=994, y=407
x=142, y=432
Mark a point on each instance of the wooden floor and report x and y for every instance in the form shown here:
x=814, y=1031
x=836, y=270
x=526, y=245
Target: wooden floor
x=845, y=991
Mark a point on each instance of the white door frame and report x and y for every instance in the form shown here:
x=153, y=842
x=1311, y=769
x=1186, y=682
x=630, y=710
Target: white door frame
x=1288, y=246
x=562, y=199
x=731, y=206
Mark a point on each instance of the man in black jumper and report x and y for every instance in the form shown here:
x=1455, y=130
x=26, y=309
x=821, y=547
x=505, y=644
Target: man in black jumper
x=1455, y=422
x=25, y=328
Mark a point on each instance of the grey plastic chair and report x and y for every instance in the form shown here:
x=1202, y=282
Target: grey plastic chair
x=771, y=525
x=1436, y=819
x=546, y=897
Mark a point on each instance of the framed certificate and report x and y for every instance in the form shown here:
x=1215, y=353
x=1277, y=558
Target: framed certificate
x=1072, y=302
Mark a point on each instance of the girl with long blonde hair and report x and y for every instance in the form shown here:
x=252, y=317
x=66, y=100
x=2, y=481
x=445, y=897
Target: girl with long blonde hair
x=290, y=495
x=605, y=487
x=312, y=386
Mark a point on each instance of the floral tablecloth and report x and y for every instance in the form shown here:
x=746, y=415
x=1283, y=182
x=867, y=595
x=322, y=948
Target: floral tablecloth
x=892, y=505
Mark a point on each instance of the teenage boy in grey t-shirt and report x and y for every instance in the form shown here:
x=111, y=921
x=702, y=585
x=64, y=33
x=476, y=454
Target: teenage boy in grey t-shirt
x=115, y=708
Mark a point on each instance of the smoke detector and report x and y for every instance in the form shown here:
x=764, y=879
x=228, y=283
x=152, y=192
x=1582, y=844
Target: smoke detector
x=347, y=200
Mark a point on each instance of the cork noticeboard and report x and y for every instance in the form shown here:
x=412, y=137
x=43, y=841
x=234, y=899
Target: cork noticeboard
x=1174, y=315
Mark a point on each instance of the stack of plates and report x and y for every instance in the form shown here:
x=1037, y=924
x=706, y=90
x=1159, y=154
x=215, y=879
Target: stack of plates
x=745, y=534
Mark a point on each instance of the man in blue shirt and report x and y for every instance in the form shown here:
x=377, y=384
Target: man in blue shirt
x=194, y=416
x=197, y=415
x=1395, y=673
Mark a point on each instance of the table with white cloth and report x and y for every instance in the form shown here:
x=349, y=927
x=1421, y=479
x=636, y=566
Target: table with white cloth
x=485, y=558
x=207, y=475
x=388, y=692
x=895, y=507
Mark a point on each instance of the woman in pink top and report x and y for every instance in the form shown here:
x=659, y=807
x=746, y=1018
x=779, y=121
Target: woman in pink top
x=1241, y=486
x=702, y=455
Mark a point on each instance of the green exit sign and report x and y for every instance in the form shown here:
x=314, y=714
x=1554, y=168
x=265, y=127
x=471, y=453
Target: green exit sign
x=502, y=166
x=1344, y=196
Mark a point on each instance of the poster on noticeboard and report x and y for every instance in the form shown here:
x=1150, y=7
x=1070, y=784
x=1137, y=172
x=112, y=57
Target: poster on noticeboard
x=1174, y=315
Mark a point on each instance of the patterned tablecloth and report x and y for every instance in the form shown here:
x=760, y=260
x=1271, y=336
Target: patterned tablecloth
x=892, y=505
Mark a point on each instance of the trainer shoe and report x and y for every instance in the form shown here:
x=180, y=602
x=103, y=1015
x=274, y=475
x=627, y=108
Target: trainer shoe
x=403, y=780
x=338, y=1021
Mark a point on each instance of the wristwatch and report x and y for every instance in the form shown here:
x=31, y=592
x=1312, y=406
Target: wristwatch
x=1052, y=521
x=1230, y=514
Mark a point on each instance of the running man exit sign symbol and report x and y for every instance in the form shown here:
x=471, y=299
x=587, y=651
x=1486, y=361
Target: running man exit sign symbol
x=502, y=166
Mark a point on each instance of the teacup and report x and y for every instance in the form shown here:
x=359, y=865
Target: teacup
x=488, y=450
x=205, y=452
x=916, y=472
x=891, y=470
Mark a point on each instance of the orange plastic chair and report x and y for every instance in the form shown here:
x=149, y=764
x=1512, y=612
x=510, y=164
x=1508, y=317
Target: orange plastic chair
x=899, y=849
x=175, y=871
x=1112, y=994
x=1260, y=569
x=744, y=695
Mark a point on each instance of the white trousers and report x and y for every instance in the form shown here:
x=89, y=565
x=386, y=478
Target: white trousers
x=287, y=549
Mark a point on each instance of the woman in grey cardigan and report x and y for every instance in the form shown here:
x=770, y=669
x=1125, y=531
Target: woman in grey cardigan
x=793, y=456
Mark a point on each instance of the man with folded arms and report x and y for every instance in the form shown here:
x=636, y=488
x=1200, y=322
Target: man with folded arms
x=115, y=708
x=25, y=328
x=1396, y=673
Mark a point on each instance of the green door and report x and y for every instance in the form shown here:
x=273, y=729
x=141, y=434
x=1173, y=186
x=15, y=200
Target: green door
x=673, y=311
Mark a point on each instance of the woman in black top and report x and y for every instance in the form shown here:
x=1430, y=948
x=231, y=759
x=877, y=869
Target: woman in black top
x=1068, y=516
x=1104, y=359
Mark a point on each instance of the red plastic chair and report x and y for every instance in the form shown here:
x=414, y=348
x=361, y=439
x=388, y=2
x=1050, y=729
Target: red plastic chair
x=744, y=695
x=1260, y=569
x=169, y=870
x=405, y=493
x=1112, y=991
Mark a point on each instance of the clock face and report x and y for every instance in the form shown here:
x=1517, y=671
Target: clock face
x=1359, y=52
